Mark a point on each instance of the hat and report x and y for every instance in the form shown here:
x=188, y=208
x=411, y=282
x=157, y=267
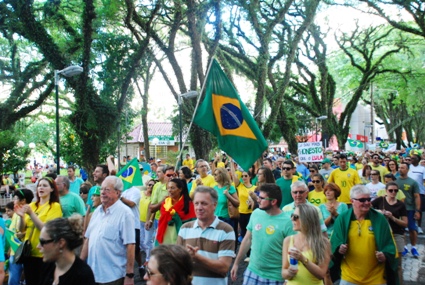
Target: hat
x=158, y=160
x=326, y=160
x=96, y=190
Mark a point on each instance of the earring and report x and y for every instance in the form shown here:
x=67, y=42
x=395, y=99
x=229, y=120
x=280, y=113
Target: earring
x=60, y=250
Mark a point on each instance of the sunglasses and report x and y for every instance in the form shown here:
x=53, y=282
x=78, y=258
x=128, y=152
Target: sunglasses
x=170, y=175
x=151, y=185
x=393, y=190
x=362, y=200
x=315, y=181
x=150, y=274
x=286, y=168
x=298, y=192
x=265, y=198
x=294, y=217
x=245, y=175
x=43, y=242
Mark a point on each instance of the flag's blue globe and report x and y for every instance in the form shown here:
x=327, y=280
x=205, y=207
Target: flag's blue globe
x=128, y=172
x=231, y=116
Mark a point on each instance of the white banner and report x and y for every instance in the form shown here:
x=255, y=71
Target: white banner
x=310, y=152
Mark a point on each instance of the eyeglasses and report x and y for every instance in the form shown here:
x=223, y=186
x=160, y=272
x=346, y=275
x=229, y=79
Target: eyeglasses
x=245, y=175
x=374, y=174
x=170, y=174
x=386, y=160
x=392, y=190
x=315, y=181
x=312, y=170
x=286, y=168
x=391, y=164
x=151, y=185
x=294, y=217
x=83, y=193
x=265, y=198
x=298, y=192
x=362, y=200
x=150, y=274
x=43, y=242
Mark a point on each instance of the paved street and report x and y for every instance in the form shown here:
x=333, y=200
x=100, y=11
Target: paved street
x=413, y=268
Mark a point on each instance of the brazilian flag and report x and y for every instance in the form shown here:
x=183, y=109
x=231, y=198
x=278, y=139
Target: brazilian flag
x=130, y=174
x=223, y=114
x=12, y=240
x=355, y=143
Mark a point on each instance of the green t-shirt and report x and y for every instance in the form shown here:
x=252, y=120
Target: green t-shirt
x=221, y=209
x=409, y=188
x=285, y=187
x=268, y=233
x=72, y=203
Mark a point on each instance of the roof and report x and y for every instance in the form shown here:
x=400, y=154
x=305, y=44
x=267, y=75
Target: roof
x=154, y=129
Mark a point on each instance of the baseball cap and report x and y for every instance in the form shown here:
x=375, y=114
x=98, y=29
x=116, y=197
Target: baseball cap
x=326, y=160
x=158, y=160
x=96, y=191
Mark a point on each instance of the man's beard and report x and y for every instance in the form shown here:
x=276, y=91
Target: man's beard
x=266, y=208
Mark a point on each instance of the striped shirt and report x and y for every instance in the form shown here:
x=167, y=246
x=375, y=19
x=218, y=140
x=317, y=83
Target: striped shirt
x=215, y=241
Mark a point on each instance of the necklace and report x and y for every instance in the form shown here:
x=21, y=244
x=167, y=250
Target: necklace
x=359, y=225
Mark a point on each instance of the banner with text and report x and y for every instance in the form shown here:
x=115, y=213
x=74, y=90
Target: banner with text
x=310, y=152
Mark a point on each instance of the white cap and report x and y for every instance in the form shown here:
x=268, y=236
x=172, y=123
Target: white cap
x=158, y=160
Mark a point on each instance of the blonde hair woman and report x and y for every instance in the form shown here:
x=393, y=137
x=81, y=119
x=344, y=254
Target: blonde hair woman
x=309, y=247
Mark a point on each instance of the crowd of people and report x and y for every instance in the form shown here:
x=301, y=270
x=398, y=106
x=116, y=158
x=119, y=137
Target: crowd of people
x=342, y=219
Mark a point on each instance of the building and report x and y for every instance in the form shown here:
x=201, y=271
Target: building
x=161, y=142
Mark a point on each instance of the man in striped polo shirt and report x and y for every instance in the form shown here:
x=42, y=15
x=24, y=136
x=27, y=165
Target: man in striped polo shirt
x=210, y=242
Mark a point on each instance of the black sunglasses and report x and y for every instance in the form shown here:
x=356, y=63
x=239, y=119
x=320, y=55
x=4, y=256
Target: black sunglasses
x=151, y=185
x=286, y=168
x=294, y=217
x=393, y=190
x=362, y=200
x=315, y=181
x=43, y=242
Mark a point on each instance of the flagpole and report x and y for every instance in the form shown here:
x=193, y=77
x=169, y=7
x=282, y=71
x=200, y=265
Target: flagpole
x=196, y=108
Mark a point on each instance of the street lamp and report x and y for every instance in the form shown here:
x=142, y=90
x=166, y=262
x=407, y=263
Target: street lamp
x=187, y=95
x=67, y=72
x=321, y=118
x=364, y=132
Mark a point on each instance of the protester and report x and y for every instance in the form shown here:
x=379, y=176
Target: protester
x=375, y=185
x=362, y=243
x=32, y=219
x=317, y=196
x=146, y=235
x=169, y=264
x=366, y=174
x=395, y=212
x=332, y=208
x=109, y=238
x=309, y=247
x=266, y=230
x=210, y=241
x=21, y=198
x=176, y=210
x=58, y=239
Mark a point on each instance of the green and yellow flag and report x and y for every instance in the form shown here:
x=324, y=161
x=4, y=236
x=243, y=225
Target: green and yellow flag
x=130, y=174
x=12, y=240
x=223, y=114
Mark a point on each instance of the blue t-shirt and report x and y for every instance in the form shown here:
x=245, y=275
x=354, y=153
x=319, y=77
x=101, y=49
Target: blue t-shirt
x=2, y=240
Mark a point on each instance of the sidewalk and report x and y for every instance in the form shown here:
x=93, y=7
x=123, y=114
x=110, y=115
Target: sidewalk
x=414, y=268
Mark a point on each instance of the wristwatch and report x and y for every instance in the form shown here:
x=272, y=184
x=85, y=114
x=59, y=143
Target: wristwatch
x=129, y=275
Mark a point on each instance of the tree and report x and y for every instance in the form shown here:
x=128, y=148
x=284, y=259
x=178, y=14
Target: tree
x=13, y=157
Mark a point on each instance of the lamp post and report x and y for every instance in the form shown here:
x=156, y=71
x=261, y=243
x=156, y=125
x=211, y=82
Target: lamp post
x=67, y=72
x=188, y=95
x=321, y=118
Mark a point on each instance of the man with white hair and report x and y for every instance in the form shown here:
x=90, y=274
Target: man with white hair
x=110, y=237
x=362, y=243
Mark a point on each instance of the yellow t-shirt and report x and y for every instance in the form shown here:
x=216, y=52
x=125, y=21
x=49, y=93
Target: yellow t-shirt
x=345, y=179
x=244, y=198
x=303, y=275
x=360, y=265
x=206, y=181
x=317, y=198
x=188, y=163
x=143, y=206
x=45, y=213
x=358, y=166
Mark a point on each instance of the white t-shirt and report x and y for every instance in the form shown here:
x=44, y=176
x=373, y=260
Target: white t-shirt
x=133, y=194
x=417, y=173
x=374, y=188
